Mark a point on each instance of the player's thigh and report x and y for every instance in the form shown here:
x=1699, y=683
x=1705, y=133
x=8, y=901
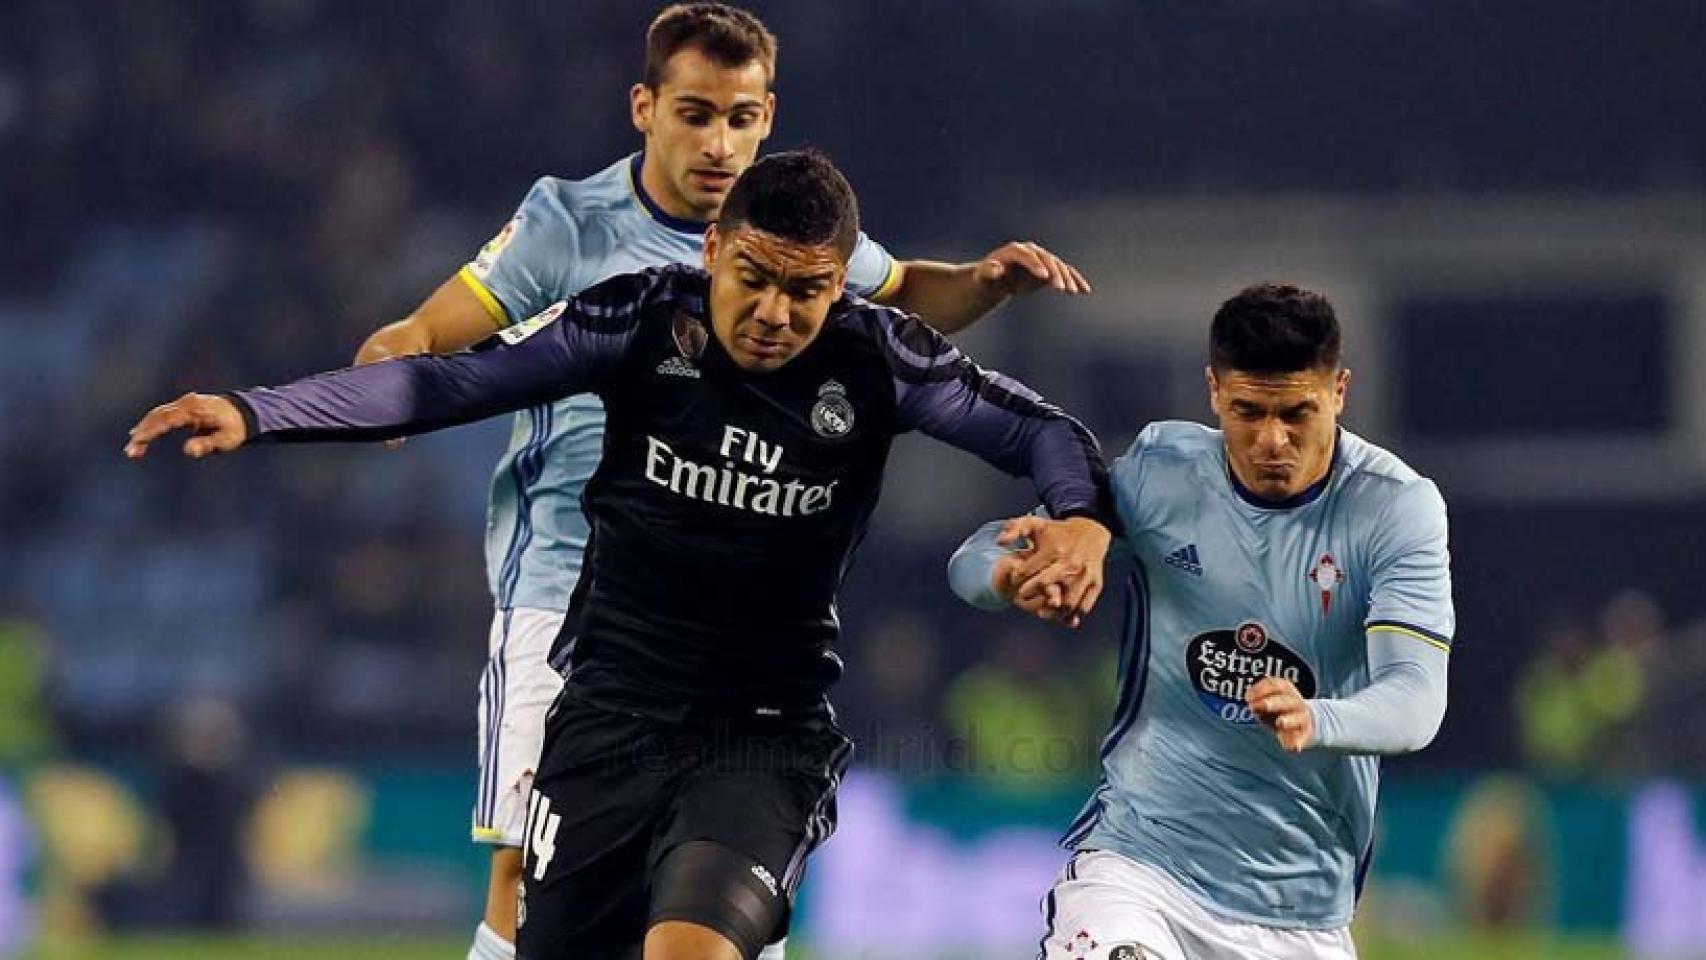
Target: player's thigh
x=712, y=888
x=516, y=691
x=1095, y=911
x=592, y=816
x=769, y=800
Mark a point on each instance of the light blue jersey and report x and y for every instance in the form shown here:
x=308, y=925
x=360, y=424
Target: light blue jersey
x=1229, y=590
x=1346, y=581
x=567, y=236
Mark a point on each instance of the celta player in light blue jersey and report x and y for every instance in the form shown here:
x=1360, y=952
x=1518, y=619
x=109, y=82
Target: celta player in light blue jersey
x=1288, y=623
x=704, y=107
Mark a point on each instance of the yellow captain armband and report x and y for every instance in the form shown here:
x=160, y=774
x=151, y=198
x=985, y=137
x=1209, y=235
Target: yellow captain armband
x=494, y=309
x=891, y=280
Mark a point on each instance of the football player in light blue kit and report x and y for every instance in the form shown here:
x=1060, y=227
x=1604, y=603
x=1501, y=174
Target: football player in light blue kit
x=1289, y=622
x=704, y=107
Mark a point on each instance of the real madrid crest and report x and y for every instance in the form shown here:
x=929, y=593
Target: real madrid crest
x=832, y=415
x=689, y=334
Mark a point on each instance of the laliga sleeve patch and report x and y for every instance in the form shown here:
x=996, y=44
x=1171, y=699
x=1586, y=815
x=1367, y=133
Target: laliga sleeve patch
x=494, y=248
x=515, y=333
x=1224, y=664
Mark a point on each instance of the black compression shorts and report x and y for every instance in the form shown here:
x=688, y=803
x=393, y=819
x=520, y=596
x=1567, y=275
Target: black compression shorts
x=634, y=821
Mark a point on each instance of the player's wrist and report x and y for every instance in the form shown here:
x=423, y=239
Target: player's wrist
x=1002, y=577
x=245, y=413
x=1320, y=721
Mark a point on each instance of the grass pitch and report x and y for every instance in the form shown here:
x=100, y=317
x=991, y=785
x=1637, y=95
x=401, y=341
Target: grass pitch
x=455, y=946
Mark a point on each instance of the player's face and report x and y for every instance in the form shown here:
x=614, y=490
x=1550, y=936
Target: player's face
x=769, y=296
x=703, y=125
x=1279, y=427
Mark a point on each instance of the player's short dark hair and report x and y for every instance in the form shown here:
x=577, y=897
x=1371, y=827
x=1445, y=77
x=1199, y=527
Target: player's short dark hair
x=797, y=195
x=729, y=36
x=1274, y=328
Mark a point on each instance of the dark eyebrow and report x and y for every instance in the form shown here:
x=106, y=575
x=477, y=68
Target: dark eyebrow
x=1251, y=406
x=756, y=267
x=689, y=100
x=822, y=276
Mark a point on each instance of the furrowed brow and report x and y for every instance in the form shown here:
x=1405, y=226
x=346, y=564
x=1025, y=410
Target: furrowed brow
x=711, y=106
x=746, y=260
x=821, y=276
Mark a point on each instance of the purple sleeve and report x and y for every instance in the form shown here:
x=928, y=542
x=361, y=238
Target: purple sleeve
x=566, y=349
x=942, y=392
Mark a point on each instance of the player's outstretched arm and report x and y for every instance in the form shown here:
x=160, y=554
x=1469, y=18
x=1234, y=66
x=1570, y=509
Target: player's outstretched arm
x=215, y=425
x=940, y=391
x=953, y=296
x=540, y=360
x=1398, y=712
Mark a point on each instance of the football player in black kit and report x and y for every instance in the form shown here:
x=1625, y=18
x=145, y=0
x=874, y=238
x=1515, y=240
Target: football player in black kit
x=691, y=762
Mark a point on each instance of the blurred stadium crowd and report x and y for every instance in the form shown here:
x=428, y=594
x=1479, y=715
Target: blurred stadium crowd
x=206, y=193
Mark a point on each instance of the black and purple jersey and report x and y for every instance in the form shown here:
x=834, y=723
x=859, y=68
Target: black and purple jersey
x=727, y=505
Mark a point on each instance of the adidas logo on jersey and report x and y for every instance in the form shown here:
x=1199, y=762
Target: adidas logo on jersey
x=678, y=367
x=765, y=877
x=1186, y=559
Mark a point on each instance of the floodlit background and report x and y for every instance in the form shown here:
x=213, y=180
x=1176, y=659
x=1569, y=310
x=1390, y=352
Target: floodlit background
x=236, y=698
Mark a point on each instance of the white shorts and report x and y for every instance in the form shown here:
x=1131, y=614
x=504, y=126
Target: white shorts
x=1108, y=907
x=516, y=690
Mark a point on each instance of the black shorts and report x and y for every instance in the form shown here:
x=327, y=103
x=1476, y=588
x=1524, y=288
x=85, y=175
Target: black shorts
x=615, y=793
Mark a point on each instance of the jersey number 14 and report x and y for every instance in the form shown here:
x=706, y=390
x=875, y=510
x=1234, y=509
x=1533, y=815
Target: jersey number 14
x=541, y=834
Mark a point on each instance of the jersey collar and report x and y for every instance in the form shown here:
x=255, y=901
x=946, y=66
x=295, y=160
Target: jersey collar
x=694, y=227
x=1302, y=498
